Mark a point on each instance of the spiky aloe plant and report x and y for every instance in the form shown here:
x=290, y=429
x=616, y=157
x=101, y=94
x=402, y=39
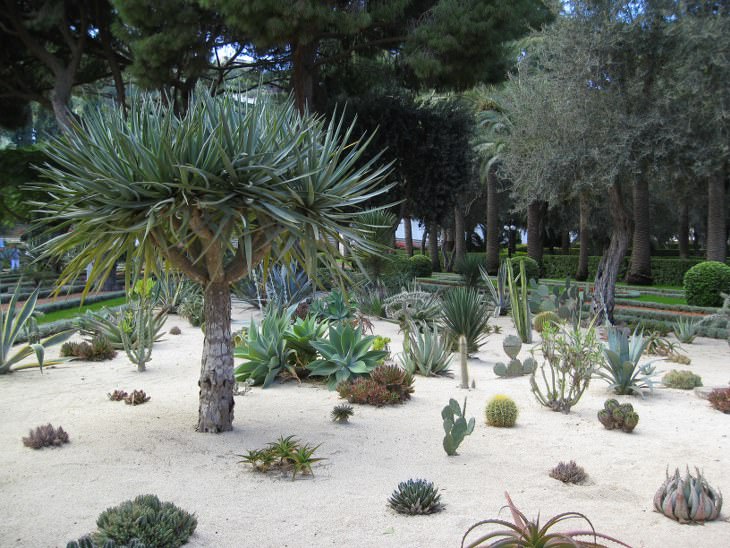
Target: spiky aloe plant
x=524, y=533
x=688, y=500
x=428, y=352
x=621, y=369
x=416, y=497
x=685, y=329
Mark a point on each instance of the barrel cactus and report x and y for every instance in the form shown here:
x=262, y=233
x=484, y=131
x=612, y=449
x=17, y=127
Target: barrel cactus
x=539, y=321
x=616, y=416
x=688, y=500
x=501, y=411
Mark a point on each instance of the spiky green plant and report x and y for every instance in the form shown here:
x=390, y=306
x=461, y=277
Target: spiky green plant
x=148, y=520
x=345, y=354
x=139, y=347
x=685, y=329
x=542, y=318
x=12, y=322
x=88, y=542
x=524, y=533
x=300, y=335
x=498, y=289
x=621, y=369
x=464, y=312
x=470, y=267
x=428, y=352
x=455, y=425
x=286, y=454
x=501, y=411
x=688, y=500
x=335, y=307
x=519, y=301
x=341, y=413
x=302, y=459
x=683, y=380
x=416, y=497
x=265, y=351
x=413, y=306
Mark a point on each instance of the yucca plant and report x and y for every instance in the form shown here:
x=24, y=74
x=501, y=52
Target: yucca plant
x=685, y=329
x=621, y=369
x=345, y=354
x=265, y=351
x=470, y=267
x=465, y=313
x=524, y=533
x=519, y=301
x=214, y=191
x=12, y=322
x=428, y=353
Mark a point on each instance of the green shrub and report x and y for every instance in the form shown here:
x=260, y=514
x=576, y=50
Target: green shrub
x=704, y=282
x=531, y=267
x=148, y=520
x=421, y=265
x=501, y=411
x=683, y=380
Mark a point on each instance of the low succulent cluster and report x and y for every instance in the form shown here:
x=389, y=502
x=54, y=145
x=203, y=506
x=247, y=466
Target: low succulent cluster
x=416, y=497
x=617, y=416
x=286, y=454
x=45, y=436
x=501, y=411
x=719, y=398
x=96, y=350
x=139, y=523
x=568, y=472
x=388, y=384
x=688, y=500
x=174, y=330
x=342, y=413
x=136, y=397
x=515, y=367
x=683, y=380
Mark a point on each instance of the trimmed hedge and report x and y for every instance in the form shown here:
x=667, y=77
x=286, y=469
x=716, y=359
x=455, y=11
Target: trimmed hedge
x=532, y=269
x=421, y=265
x=704, y=282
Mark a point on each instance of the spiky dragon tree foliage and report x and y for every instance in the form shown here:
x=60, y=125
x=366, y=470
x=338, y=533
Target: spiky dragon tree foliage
x=215, y=192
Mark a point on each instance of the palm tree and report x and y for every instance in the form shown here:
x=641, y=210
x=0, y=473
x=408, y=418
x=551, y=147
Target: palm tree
x=215, y=192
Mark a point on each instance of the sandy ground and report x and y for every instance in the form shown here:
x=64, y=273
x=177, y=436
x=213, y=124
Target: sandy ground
x=50, y=496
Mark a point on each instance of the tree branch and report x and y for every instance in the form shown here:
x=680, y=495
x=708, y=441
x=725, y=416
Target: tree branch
x=179, y=260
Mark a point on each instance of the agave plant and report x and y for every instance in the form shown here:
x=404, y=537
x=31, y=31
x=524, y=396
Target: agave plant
x=110, y=323
x=621, y=367
x=12, y=322
x=416, y=497
x=685, y=329
x=300, y=335
x=524, y=533
x=345, y=354
x=464, y=313
x=265, y=351
x=428, y=353
x=281, y=285
x=520, y=306
x=333, y=308
x=688, y=500
x=498, y=289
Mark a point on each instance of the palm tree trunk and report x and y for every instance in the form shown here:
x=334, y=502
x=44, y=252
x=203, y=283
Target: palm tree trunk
x=640, y=271
x=684, y=230
x=492, y=235
x=215, y=413
x=604, y=292
x=408, y=230
x=584, y=205
x=459, y=243
x=716, y=224
x=433, y=247
x=565, y=242
x=535, y=229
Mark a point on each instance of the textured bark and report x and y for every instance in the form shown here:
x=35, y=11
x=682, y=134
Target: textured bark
x=448, y=248
x=215, y=413
x=604, y=292
x=459, y=243
x=303, y=75
x=408, y=235
x=492, y=235
x=716, y=223
x=60, y=99
x=535, y=229
x=640, y=269
x=684, y=230
x=433, y=247
x=581, y=274
x=565, y=242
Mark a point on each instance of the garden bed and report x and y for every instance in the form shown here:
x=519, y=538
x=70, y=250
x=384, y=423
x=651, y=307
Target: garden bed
x=117, y=452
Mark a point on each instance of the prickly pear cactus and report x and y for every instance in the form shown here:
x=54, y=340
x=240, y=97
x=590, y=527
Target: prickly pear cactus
x=456, y=426
x=515, y=367
x=512, y=345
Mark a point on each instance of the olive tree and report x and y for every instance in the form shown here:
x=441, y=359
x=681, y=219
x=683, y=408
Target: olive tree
x=215, y=192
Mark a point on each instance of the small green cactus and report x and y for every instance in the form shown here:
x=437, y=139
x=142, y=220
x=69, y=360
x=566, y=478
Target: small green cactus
x=501, y=411
x=455, y=426
x=539, y=321
x=683, y=380
x=616, y=416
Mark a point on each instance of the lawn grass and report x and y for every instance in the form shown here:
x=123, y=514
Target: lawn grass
x=663, y=299
x=73, y=312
